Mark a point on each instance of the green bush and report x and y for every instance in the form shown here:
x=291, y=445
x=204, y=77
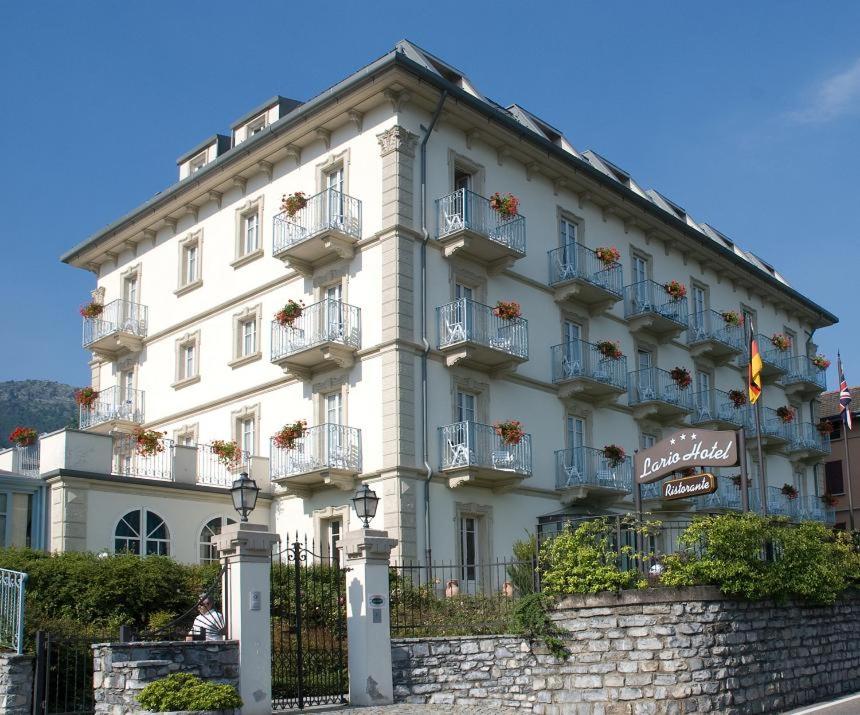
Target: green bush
x=531, y=618
x=522, y=572
x=183, y=691
x=754, y=557
x=583, y=559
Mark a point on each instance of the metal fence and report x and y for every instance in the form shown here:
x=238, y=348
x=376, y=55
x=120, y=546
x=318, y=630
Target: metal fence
x=328, y=321
x=214, y=471
x=577, y=262
x=12, y=609
x=471, y=444
x=587, y=466
x=716, y=406
x=329, y=210
x=651, y=297
x=464, y=210
x=466, y=320
x=654, y=384
x=710, y=325
x=114, y=404
x=801, y=369
x=578, y=359
x=129, y=462
x=118, y=316
x=25, y=460
x=327, y=445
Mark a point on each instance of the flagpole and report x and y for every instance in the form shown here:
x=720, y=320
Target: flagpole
x=762, y=474
x=848, y=477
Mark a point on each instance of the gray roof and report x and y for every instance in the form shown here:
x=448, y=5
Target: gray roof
x=829, y=402
x=285, y=107
x=224, y=143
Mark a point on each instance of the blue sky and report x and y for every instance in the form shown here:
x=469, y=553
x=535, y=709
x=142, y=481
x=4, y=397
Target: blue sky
x=745, y=114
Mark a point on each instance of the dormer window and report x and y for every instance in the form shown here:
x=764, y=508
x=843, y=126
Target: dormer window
x=255, y=126
x=197, y=163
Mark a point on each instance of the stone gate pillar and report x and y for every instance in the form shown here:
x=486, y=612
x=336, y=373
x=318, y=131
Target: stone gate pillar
x=246, y=550
x=367, y=553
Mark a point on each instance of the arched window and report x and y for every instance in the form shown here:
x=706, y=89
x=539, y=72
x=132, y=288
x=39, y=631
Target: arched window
x=208, y=554
x=142, y=532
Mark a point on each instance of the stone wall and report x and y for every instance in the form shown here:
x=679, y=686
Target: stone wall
x=647, y=652
x=16, y=684
x=122, y=670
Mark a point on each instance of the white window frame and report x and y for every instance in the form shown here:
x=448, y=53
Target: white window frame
x=205, y=544
x=252, y=208
x=239, y=418
x=256, y=125
x=185, y=282
x=197, y=162
x=253, y=315
x=143, y=536
x=183, y=378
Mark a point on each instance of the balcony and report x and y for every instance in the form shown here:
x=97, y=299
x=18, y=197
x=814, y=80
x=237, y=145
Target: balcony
x=119, y=329
x=326, y=229
x=580, y=370
x=577, y=274
x=653, y=394
x=114, y=410
x=652, y=496
x=583, y=472
x=327, y=455
x=473, y=454
x=214, y=471
x=774, y=362
x=21, y=460
x=471, y=334
x=811, y=508
x=803, y=378
x=726, y=498
x=775, y=434
x=326, y=334
x=649, y=309
x=807, y=443
x=468, y=226
x=710, y=336
x=127, y=462
x=714, y=409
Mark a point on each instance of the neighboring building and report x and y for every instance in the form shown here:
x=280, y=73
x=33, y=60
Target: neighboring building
x=22, y=498
x=397, y=247
x=835, y=471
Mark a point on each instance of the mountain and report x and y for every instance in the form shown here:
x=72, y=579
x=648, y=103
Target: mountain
x=42, y=404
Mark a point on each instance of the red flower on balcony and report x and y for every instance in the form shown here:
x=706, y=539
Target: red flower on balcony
x=228, y=453
x=785, y=414
x=86, y=397
x=821, y=362
x=91, y=310
x=614, y=454
x=824, y=427
x=290, y=313
x=681, y=376
x=23, y=436
x=148, y=442
x=510, y=431
x=288, y=434
x=293, y=203
x=608, y=254
x=780, y=342
x=828, y=499
x=675, y=289
x=732, y=317
x=610, y=349
x=506, y=206
x=738, y=398
x=507, y=310
x=790, y=491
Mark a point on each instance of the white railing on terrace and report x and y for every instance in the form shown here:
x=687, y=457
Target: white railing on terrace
x=575, y=261
x=466, y=320
x=466, y=210
x=25, y=460
x=323, y=322
x=128, y=462
x=579, y=358
x=805, y=435
x=651, y=297
x=118, y=316
x=325, y=211
x=471, y=444
x=212, y=471
x=801, y=369
x=114, y=404
x=587, y=466
x=654, y=384
x=12, y=609
x=711, y=405
x=325, y=446
x=710, y=325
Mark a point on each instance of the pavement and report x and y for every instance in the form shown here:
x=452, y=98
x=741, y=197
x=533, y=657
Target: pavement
x=847, y=705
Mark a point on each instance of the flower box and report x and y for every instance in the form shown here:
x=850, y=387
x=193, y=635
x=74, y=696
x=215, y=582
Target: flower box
x=608, y=255
x=614, y=454
x=510, y=431
x=23, y=436
x=228, y=453
x=506, y=206
x=785, y=414
x=821, y=362
x=738, y=398
x=288, y=434
x=91, y=310
x=293, y=203
x=780, y=342
x=148, y=442
x=86, y=397
x=675, y=289
x=609, y=349
x=828, y=499
x=507, y=310
x=790, y=491
x=824, y=427
x=290, y=313
x=681, y=376
x=732, y=317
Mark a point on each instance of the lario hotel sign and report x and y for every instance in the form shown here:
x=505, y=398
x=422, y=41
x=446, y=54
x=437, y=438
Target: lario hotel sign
x=685, y=450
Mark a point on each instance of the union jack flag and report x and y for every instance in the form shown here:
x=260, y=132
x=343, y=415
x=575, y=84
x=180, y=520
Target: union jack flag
x=844, y=394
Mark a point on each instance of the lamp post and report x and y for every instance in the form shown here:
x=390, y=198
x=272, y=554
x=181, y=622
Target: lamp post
x=244, y=492
x=365, y=502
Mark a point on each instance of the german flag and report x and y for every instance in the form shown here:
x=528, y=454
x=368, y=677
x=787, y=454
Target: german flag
x=754, y=369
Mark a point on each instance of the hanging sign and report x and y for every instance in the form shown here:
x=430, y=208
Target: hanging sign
x=693, y=486
x=688, y=448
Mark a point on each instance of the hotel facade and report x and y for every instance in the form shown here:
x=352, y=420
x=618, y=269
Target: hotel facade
x=401, y=361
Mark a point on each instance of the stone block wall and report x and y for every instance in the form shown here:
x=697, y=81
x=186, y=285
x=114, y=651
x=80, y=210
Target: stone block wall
x=659, y=651
x=122, y=670
x=16, y=684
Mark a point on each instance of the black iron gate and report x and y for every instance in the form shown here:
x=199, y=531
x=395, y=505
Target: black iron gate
x=308, y=608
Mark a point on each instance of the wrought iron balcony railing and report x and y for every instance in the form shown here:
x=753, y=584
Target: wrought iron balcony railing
x=800, y=368
x=325, y=446
x=709, y=325
x=25, y=460
x=464, y=210
x=651, y=297
x=771, y=424
x=471, y=444
x=328, y=321
x=575, y=261
x=128, y=462
x=466, y=321
x=805, y=436
x=727, y=496
x=118, y=316
x=587, y=467
x=716, y=406
x=329, y=210
x=578, y=359
x=114, y=404
x=214, y=470
x=655, y=385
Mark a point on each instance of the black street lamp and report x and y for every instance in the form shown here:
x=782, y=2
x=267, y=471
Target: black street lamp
x=244, y=492
x=365, y=502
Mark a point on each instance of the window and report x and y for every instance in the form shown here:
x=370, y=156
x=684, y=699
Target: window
x=190, y=262
x=249, y=238
x=644, y=374
x=130, y=289
x=466, y=406
x=571, y=334
x=837, y=429
x=639, y=267
x=567, y=237
x=334, y=312
x=250, y=234
x=187, y=359
x=647, y=441
x=255, y=126
x=462, y=179
x=833, y=481
x=469, y=550
x=4, y=518
x=142, y=532
x=333, y=405
x=248, y=337
x=246, y=435
x=700, y=302
x=332, y=531
x=197, y=163
x=208, y=552
x=575, y=432
x=335, y=206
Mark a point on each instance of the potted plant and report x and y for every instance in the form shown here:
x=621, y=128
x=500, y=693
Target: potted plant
x=86, y=397
x=824, y=427
x=736, y=480
x=23, y=436
x=610, y=349
x=789, y=490
x=507, y=310
x=732, y=317
x=288, y=434
x=681, y=377
x=821, y=362
x=614, y=454
x=828, y=499
x=780, y=342
x=675, y=289
x=186, y=693
x=505, y=206
x=608, y=255
x=785, y=414
x=148, y=441
x=290, y=313
x=738, y=398
x=91, y=310
x=510, y=431
x=293, y=203
x=228, y=453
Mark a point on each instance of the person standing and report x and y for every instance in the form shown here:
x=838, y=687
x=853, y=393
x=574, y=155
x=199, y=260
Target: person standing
x=209, y=624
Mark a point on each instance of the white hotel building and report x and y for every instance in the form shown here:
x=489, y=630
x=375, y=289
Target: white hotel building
x=398, y=364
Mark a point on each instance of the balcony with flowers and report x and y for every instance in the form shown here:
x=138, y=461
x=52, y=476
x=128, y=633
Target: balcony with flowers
x=586, y=472
x=720, y=410
x=775, y=353
x=23, y=456
x=491, y=231
x=809, y=443
x=494, y=456
x=478, y=336
x=664, y=395
x=718, y=336
x=590, y=278
x=775, y=427
x=312, y=231
x=114, y=329
x=657, y=309
x=113, y=409
x=805, y=377
x=145, y=453
x=596, y=372
x=726, y=498
x=304, y=459
x=307, y=339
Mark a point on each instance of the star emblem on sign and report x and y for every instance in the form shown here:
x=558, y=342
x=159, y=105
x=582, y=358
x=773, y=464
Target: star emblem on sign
x=672, y=441
x=683, y=435
x=693, y=436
